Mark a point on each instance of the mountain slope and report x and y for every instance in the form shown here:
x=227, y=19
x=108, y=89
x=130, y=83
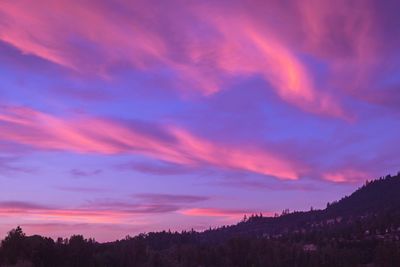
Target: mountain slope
x=377, y=198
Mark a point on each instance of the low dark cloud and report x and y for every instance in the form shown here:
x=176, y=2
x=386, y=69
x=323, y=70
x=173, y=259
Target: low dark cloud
x=9, y=165
x=169, y=198
x=81, y=189
x=156, y=168
x=21, y=205
x=83, y=173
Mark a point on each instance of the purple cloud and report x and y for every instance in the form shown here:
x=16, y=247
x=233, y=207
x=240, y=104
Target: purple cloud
x=169, y=198
x=82, y=173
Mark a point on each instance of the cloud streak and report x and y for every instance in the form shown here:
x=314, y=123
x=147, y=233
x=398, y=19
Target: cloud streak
x=82, y=173
x=215, y=212
x=202, y=49
x=169, y=143
x=103, y=211
x=99, y=211
x=169, y=198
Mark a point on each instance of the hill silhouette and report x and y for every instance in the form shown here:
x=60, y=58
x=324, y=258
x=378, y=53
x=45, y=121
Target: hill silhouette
x=379, y=197
x=374, y=196
x=362, y=229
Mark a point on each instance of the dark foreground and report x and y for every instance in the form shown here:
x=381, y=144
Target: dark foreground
x=360, y=230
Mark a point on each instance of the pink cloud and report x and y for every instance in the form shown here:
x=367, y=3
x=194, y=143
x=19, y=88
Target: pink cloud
x=169, y=143
x=44, y=213
x=248, y=48
x=320, y=21
x=56, y=30
x=92, y=212
x=203, y=47
x=213, y=212
x=351, y=38
x=108, y=219
x=253, y=159
x=346, y=176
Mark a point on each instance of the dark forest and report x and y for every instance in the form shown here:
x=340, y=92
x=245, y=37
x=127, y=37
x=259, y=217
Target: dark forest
x=362, y=229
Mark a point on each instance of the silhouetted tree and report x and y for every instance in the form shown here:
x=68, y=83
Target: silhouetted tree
x=13, y=247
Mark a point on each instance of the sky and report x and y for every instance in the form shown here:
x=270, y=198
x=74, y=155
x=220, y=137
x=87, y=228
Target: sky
x=122, y=117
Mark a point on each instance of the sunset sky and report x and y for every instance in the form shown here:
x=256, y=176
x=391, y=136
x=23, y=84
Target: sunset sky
x=122, y=117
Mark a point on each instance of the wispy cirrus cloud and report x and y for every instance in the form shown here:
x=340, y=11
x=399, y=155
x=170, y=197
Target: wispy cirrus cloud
x=248, y=48
x=72, y=48
x=97, y=211
x=215, y=212
x=202, y=49
x=213, y=43
x=110, y=219
x=48, y=213
x=104, y=136
x=353, y=169
x=102, y=210
x=346, y=176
